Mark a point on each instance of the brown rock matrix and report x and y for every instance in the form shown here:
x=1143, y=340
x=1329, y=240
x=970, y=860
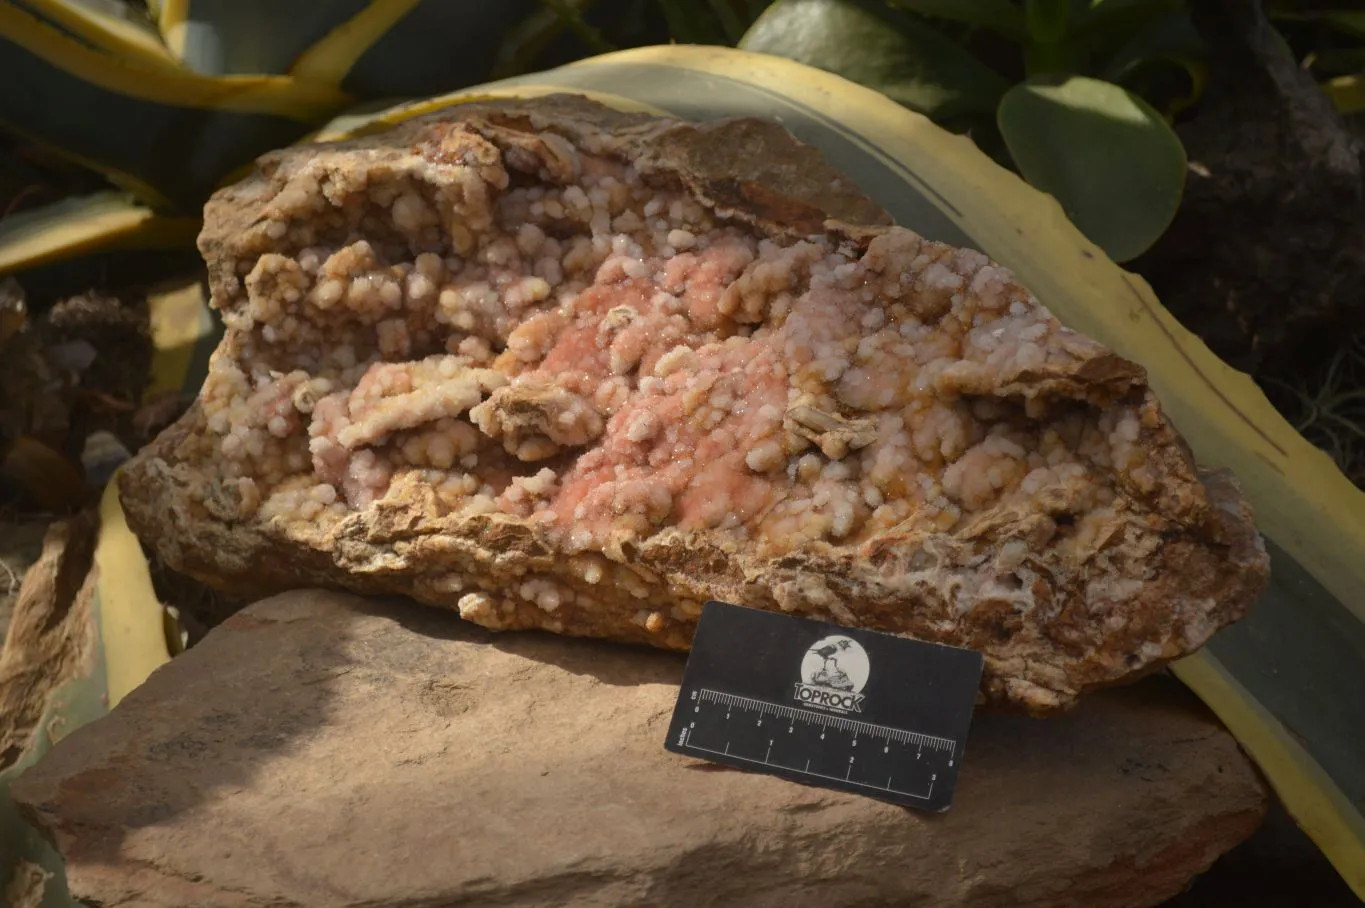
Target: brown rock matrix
x=564, y=368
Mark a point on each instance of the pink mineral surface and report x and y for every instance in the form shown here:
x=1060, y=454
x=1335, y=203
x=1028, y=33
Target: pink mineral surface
x=666, y=369
x=533, y=330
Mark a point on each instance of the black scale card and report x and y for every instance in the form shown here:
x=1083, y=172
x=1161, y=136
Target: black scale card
x=813, y=702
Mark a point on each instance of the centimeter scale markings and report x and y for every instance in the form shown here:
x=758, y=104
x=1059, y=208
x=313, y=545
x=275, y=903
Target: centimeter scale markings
x=906, y=763
x=868, y=713
x=805, y=715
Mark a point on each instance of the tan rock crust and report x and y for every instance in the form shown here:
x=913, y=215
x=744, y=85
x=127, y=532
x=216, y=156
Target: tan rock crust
x=559, y=367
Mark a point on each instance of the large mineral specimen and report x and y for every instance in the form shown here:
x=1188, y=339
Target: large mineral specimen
x=561, y=367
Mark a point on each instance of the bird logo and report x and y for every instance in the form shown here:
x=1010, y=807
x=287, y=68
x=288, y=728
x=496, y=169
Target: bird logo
x=833, y=673
x=829, y=674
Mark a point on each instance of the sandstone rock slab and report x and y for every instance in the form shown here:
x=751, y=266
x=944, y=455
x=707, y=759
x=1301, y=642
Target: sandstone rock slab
x=318, y=749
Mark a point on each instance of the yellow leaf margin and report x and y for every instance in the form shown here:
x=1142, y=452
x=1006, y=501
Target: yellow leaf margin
x=279, y=95
x=81, y=226
x=132, y=631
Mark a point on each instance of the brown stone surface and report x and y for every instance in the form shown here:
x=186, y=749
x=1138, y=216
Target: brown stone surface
x=317, y=749
x=538, y=411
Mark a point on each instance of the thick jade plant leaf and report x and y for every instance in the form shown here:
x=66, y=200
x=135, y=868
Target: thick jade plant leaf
x=1350, y=21
x=882, y=49
x=1047, y=19
x=1104, y=28
x=1340, y=61
x=1167, y=40
x=1110, y=160
x=1002, y=16
x=1168, y=36
x=1347, y=94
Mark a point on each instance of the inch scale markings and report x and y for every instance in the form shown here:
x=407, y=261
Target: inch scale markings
x=937, y=746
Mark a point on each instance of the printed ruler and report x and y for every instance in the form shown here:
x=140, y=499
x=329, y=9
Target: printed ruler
x=860, y=711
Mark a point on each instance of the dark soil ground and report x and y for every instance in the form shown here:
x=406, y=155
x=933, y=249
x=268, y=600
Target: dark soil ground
x=1326, y=403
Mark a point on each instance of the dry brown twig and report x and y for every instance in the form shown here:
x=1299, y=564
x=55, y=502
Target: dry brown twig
x=11, y=576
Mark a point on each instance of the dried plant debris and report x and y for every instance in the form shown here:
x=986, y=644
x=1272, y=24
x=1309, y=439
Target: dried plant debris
x=36, y=392
x=1327, y=405
x=52, y=635
x=105, y=340
x=70, y=376
x=559, y=367
x=27, y=885
x=192, y=607
x=13, y=309
x=21, y=543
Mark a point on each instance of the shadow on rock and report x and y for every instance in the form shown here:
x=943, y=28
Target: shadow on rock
x=190, y=711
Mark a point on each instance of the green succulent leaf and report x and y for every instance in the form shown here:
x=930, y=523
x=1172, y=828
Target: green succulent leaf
x=1350, y=21
x=1047, y=19
x=1096, y=13
x=1347, y=94
x=1339, y=61
x=1107, y=156
x=528, y=39
x=1169, y=36
x=1082, y=36
x=1169, y=39
x=998, y=15
x=1105, y=27
x=729, y=18
x=692, y=22
x=571, y=15
x=868, y=43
